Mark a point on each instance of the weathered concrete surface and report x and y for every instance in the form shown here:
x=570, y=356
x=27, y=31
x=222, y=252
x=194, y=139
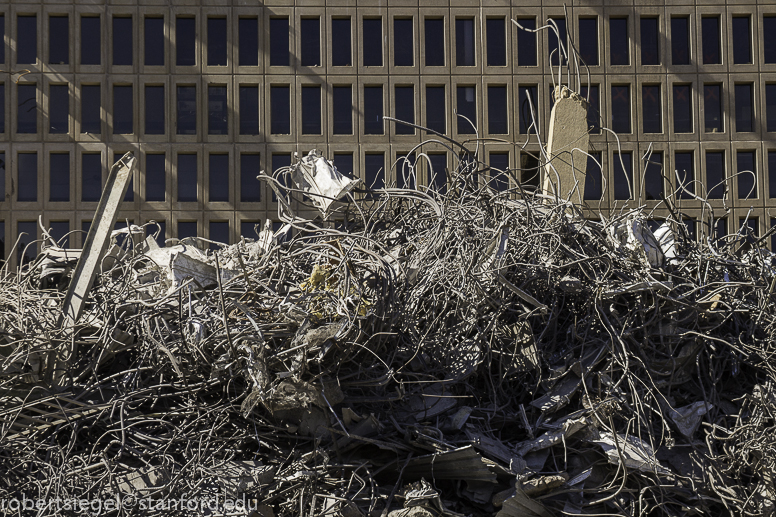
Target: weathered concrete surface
x=565, y=173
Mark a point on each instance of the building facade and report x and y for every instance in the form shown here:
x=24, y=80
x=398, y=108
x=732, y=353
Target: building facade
x=207, y=93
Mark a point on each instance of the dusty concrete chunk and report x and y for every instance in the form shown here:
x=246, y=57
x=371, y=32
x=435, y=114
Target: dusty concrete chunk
x=565, y=174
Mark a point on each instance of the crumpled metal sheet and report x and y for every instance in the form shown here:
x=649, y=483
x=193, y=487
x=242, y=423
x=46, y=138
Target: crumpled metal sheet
x=636, y=453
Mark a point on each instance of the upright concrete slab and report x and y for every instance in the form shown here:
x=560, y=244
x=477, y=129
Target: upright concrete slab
x=97, y=239
x=565, y=173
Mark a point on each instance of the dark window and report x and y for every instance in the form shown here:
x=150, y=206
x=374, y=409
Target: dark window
x=187, y=229
x=218, y=184
x=26, y=39
x=623, y=175
x=59, y=109
x=341, y=53
x=278, y=162
x=742, y=40
x=769, y=39
x=525, y=94
x=374, y=170
x=344, y=163
x=715, y=174
x=90, y=109
x=682, y=108
x=217, y=110
x=187, y=177
x=154, y=110
x=311, y=110
x=712, y=55
x=91, y=177
x=653, y=177
x=403, y=42
x=770, y=106
x=712, y=107
x=250, y=229
x=91, y=40
x=160, y=227
x=342, y=109
x=373, y=42
x=405, y=109
x=2, y=182
x=619, y=48
x=59, y=177
x=680, y=41
x=744, y=108
x=772, y=174
x=185, y=41
x=250, y=187
x=748, y=228
x=720, y=228
x=554, y=48
x=621, y=109
x=685, y=172
x=154, y=41
x=588, y=40
x=216, y=41
x=26, y=250
x=311, y=41
x=650, y=41
x=464, y=41
x=2, y=106
x=497, y=41
x=467, y=106
x=652, y=117
x=435, y=42
x=437, y=172
x=249, y=110
x=435, y=108
x=499, y=171
x=27, y=118
x=248, y=34
x=529, y=171
x=219, y=232
x=58, y=230
x=373, y=110
x=2, y=60
x=156, y=178
x=405, y=171
x=498, y=110
x=187, y=110
x=122, y=41
x=593, y=108
x=526, y=42
x=593, y=178
x=689, y=226
x=280, y=99
x=278, y=42
x=123, y=111
x=28, y=177
x=747, y=174
x=59, y=40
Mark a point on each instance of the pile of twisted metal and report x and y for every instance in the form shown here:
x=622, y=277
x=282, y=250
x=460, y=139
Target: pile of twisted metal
x=409, y=352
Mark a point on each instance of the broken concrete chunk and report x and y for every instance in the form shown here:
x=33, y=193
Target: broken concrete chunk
x=321, y=181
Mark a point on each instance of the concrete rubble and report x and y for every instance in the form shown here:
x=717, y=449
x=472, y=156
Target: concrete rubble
x=404, y=352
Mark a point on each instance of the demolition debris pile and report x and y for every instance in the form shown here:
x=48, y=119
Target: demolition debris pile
x=472, y=352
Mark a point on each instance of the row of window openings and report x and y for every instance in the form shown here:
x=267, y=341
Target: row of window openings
x=61, y=233
x=342, y=109
x=372, y=44
x=714, y=184
x=186, y=173
x=655, y=175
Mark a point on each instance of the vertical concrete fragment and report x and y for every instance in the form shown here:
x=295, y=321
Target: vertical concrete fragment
x=97, y=239
x=565, y=172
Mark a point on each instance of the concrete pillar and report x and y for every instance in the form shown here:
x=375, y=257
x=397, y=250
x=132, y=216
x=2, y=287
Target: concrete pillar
x=568, y=130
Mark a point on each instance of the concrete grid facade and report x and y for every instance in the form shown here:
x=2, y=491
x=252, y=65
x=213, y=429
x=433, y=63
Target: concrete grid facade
x=469, y=71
